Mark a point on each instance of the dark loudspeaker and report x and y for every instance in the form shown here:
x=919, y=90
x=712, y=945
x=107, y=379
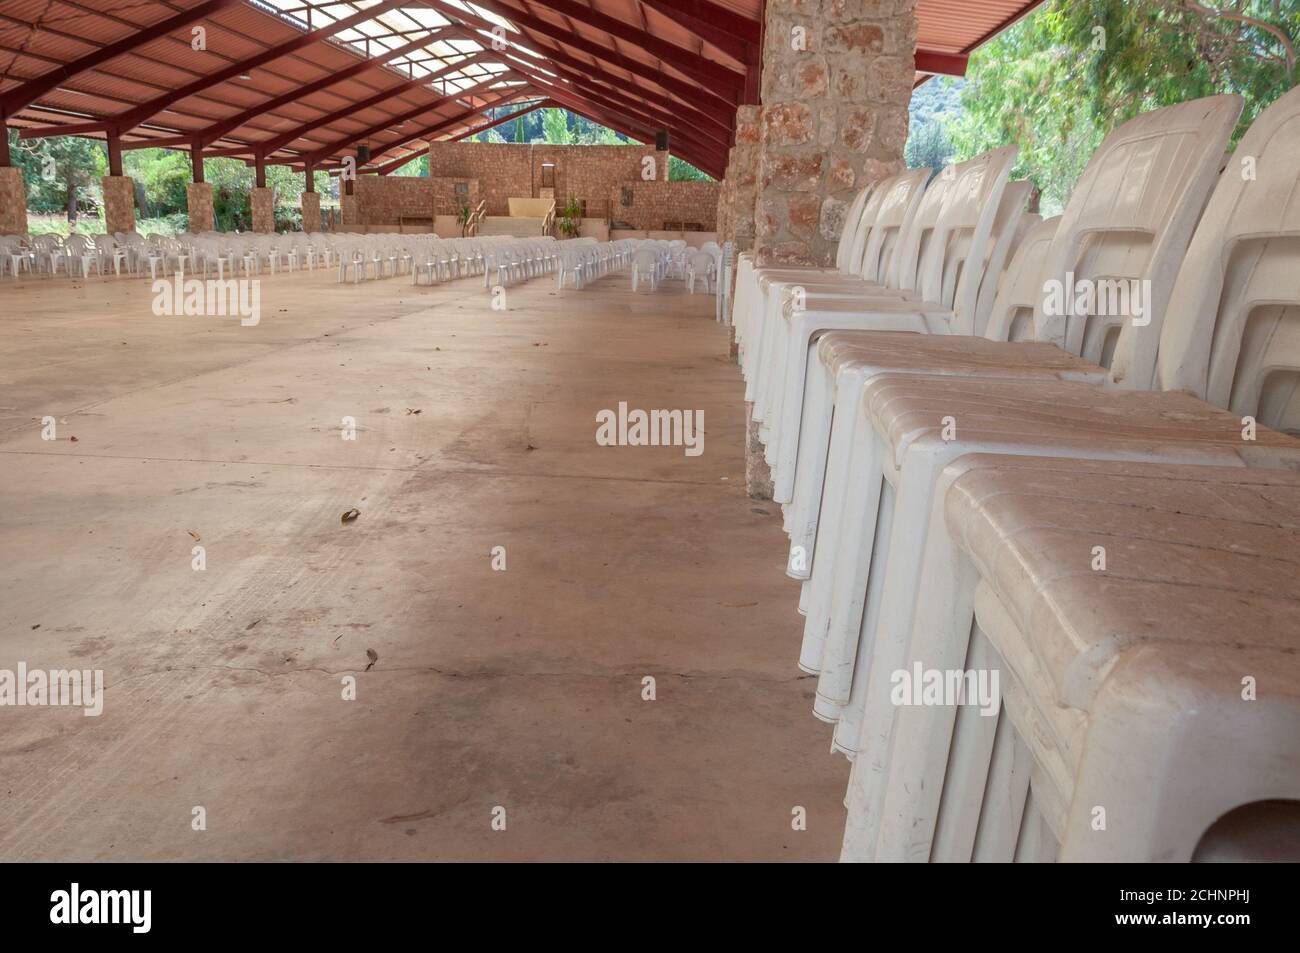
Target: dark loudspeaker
x=661, y=140
x=363, y=154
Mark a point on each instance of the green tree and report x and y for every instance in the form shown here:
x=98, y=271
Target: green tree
x=928, y=146
x=555, y=127
x=161, y=175
x=679, y=170
x=1059, y=80
x=417, y=167
x=60, y=172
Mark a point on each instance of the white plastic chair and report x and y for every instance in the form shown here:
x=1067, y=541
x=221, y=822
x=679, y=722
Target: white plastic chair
x=701, y=266
x=81, y=250
x=1171, y=150
x=1163, y=163
x=1121, y=687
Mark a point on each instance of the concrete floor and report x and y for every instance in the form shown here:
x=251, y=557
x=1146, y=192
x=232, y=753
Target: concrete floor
x=519, y=689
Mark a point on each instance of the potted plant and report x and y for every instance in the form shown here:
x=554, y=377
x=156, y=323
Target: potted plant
x=571, y=219
x=463, y=217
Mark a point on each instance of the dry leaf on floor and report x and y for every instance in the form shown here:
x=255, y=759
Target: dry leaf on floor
x=350, y=515
x=373, y=656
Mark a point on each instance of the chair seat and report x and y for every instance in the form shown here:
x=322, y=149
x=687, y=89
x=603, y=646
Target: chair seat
x=1163, y=686
x=1194, y=556
x=945, y=354
x=1061, y=417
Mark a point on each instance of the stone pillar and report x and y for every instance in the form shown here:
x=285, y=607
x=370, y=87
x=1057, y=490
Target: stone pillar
x=311, y=211
x=119, y=204
x=198, y=198
x=263, y=201
x=758, y=475
x=349, y=214
x=13, y=200
x=837, y=79
x=740, y=187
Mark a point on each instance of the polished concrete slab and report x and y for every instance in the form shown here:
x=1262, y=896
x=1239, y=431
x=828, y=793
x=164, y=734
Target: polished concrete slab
x=476, y=689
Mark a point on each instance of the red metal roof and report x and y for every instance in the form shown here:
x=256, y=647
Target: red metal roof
x=394, y=68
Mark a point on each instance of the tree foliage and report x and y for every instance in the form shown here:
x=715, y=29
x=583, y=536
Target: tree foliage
x=1063, y=77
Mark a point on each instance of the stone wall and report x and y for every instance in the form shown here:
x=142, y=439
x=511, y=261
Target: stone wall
x=13, y=201
x=263, y=205
x=666, y=205
x=198, y=198
x=385, y=199
x=311, y=211
x=119, y=204
x=506, y=169
x=739, y=190
x=445, y=199
x=837, y=79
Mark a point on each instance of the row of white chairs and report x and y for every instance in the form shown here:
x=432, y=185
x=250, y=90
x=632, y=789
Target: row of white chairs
x=1055, y=456
x=577, y=260
x=519, y=259
x=232, y=254
x=586, y=260
x=75, y=255
x=657, y=259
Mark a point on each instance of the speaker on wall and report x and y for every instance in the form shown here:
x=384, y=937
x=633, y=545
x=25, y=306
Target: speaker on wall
x=661, y=140
x=363, y=154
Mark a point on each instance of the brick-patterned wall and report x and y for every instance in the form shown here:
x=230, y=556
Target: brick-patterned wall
x=384, y=199
x=515, y=169
x=498, y=172
x=13, y=201
x=837, y=79
x=444, y=194
x=654, y=204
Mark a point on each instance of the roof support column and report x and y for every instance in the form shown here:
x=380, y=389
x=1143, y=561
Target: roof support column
x=13, y=193
x=198, y=195
x=119, y=192
x=262, y=199
x=739, y=188
x=310, y=200
x=196, y=161
x=837, y=80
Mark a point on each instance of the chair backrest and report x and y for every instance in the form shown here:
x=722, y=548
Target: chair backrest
x=854, y=226
x=1008, y=229
x=1232, y=335
x=866, y=219
x=961, y=230
x=1011, y=317
x=1128, y=221
x=891, y=207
